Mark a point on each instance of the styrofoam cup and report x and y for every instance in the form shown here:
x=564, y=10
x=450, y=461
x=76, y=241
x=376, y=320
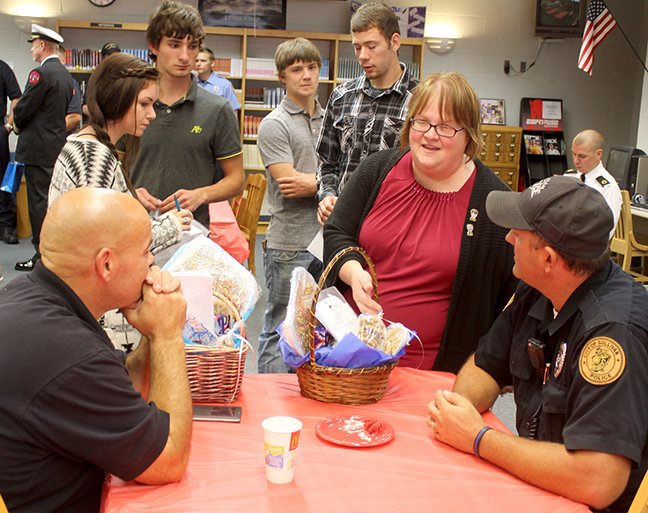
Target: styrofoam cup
x=281, y=437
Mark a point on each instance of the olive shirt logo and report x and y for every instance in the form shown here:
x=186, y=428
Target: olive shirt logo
x=602, y=361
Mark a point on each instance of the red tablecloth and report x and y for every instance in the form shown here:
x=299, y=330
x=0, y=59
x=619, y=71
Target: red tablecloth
x=412, y=473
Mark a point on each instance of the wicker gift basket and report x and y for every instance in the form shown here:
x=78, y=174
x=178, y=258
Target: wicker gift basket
x=339, y=385
x=216, y=373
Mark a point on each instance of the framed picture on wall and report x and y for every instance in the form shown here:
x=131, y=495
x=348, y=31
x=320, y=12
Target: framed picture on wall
x=493, y=112
x=261, y=14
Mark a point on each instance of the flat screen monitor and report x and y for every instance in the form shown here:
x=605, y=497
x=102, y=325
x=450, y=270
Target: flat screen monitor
x=622, y=165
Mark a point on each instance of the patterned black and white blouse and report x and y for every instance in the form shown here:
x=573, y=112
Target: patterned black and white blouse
x=88, y=163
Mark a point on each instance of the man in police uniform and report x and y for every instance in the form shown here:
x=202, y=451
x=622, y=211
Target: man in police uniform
x=587, y=150
x=9, y=88
x=210, y=81
x=39, y=120
x=573, y=343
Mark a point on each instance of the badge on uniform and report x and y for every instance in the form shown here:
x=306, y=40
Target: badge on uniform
x=473, y=215
x=603, y=181
x=560, y=359
x=34, y=77
x=469, y=230
x=602, y=361
x=215, y=89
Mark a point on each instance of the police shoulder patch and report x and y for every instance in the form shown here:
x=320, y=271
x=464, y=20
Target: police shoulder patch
x=34, y=77
x=603, y=181
x=602, y=361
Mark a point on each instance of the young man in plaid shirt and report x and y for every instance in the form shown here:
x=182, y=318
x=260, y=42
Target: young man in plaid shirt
x=364, y=115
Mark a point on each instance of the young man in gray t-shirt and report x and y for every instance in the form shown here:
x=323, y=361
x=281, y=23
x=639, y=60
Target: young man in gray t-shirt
x=287, y=139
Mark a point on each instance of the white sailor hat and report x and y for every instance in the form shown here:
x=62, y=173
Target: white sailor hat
x=45, y=34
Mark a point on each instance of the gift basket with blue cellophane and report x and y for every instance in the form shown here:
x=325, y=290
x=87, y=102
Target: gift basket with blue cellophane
x=216, y=361
x=339, y=357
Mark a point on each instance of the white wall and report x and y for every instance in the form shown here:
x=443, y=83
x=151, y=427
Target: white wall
x=492, y=30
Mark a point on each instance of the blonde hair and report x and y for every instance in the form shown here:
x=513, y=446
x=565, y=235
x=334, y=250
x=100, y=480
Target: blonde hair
x=457, y=100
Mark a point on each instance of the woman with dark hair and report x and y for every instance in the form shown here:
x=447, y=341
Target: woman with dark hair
x=444, y=269
x=121, y=93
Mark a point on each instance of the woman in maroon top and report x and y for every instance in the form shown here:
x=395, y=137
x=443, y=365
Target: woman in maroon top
x=444, y=270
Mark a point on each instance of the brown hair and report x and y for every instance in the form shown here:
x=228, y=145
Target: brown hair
x=174, y=19
x=457, y=99
x=296, y=50
x=112, y=90
x=209, y=53
x=376, y=14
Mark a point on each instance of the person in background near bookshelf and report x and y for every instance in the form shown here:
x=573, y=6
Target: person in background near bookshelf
x=287, y=138
x=121, y=93
x=210, y=81
x=366, y=114
x=73, y=407
x=75, y=109
x=573, y=343
x=193, y=128
x=587, y=150
x=39, y=121
x=9, y=89
x=106, y=50
x=444, y=269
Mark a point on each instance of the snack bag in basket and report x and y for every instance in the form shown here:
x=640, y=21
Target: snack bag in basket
x=335, y=314
x=294, y=328
x=230, y=278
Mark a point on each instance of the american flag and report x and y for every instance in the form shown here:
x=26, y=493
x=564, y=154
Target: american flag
x=599, y=24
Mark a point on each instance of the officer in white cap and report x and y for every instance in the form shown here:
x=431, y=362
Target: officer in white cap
x=39, y=121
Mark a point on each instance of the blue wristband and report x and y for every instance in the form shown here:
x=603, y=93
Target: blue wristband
x=478, y=438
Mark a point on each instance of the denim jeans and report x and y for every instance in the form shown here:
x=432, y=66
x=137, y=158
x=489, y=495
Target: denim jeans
x=278, y=266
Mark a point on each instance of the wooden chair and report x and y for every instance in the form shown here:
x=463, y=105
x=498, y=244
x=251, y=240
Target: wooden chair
x=623, y=242
x=640, y=501
x=247, y=207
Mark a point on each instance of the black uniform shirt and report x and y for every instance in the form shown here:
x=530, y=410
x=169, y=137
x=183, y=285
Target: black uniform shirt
x=9, y=87
x=595, y=396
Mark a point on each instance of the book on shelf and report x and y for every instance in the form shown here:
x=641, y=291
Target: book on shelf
x=350, y=68
x=88, y=60
x=228, y=67
x=260, y=68
x=251, y=126
x=251, y=156
x=263, y=97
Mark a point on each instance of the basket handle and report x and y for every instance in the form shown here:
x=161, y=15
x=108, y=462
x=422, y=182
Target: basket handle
x=322, y=281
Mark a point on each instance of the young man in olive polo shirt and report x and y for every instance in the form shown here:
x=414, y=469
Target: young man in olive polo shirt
x=193, y=128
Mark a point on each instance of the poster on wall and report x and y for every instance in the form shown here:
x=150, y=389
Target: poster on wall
x=541, y=114
x=493, y=112
x=411, y=20
x=261, y=14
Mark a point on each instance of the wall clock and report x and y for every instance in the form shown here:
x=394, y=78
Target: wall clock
x=101, y=3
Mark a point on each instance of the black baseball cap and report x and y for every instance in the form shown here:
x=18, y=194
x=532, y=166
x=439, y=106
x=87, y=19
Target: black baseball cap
x=571, y=216
x=109, y=49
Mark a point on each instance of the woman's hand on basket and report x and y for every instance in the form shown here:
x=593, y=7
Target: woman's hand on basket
x=361, y=284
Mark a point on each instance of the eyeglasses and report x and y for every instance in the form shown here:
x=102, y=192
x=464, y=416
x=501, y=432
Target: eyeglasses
x=421, y=125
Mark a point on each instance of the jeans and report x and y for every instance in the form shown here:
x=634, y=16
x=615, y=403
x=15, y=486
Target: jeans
x=278, y=266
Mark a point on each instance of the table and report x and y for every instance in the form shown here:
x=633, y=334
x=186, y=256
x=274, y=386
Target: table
x=412, y=473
